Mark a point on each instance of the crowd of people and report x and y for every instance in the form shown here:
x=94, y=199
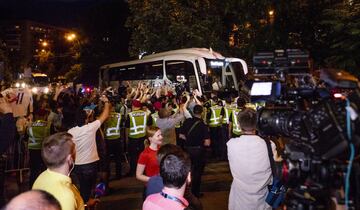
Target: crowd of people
x=166, y=137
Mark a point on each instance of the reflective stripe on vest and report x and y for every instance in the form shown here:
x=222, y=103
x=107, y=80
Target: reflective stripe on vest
x=37, y=132
x=113, y=126
x=236, y=127
x=226, y=118
x=154, y=117
x=137, y=124
x=215, y=116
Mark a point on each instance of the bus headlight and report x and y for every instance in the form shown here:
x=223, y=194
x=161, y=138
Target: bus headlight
x=46, y=90
x=34, y=90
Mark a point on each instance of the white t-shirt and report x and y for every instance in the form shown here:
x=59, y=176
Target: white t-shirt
x=251, y=172
x=23, y=102
x=84, y=138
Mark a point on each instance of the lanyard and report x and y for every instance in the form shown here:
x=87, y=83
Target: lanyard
x=170, y=197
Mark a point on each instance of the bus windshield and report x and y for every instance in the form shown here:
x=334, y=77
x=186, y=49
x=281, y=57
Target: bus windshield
x=238, y=70
x=41, y=80
x=219, y=76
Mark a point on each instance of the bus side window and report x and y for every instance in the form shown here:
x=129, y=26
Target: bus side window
x=139, y=72
x=153, y=70
x=181, y=68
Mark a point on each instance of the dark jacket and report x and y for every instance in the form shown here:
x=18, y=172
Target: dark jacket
x=7, y=131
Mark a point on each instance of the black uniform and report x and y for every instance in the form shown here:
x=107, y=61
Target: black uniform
x=196, y=132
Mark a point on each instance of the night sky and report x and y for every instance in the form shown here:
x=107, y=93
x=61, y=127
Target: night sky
x=65, y=13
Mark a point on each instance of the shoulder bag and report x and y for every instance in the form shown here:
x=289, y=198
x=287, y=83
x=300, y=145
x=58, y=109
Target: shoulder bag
x=277, y=189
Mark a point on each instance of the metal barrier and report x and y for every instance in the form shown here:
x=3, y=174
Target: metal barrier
x=17, y=157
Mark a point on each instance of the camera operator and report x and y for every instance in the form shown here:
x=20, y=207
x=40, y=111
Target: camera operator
x=249, y=165
x=7, y=131
x=84, y=137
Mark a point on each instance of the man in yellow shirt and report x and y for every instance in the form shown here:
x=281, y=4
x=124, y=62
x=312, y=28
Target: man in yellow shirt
x=59, y=153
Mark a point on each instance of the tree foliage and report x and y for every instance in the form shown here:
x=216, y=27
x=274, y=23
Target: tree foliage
x=4, y=62
x=163, y=25
x=328, y=29
x=343, y=23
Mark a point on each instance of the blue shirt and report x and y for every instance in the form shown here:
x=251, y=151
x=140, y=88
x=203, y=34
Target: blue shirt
x=154, y=185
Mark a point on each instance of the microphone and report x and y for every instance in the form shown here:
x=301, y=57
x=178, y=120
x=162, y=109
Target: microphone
x=100, y=190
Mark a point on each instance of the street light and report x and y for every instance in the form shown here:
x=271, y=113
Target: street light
x=271, y=16
x=44, y=44
x=70, y=37
x=271, y=13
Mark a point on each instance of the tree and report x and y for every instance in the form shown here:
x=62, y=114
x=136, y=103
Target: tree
x=74, y=72
x=4, y=64
x=247, y=25
x=106, y=40
x=343, y=24
x=165, y=25
x=328, y=29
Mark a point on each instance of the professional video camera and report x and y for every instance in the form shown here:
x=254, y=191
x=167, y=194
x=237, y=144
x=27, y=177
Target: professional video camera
x=317, y=135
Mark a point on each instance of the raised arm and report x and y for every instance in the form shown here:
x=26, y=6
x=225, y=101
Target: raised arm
x=105, y=113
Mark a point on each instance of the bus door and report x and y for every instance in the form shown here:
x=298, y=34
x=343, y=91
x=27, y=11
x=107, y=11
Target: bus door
x=235, y=71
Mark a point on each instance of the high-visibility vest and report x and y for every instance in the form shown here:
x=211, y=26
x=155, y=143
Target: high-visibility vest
x=260, y=104
x=215, y=116
x=234, y=105
x=250, y=106
x=154, y=117
x=37, y=132
x=235, y=124
x=112, y=126
x=226, y=118
x=138, y=121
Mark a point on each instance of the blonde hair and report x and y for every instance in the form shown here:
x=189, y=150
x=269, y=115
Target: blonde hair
x=151, y=130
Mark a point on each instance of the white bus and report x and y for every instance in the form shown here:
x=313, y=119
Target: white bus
x=192, y=68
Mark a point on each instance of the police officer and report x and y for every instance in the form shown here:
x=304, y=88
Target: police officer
x=112, y=134
x=225, y=112
x=234, y=127
x=135, y=133
x=214, y=122
x=37, y=132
